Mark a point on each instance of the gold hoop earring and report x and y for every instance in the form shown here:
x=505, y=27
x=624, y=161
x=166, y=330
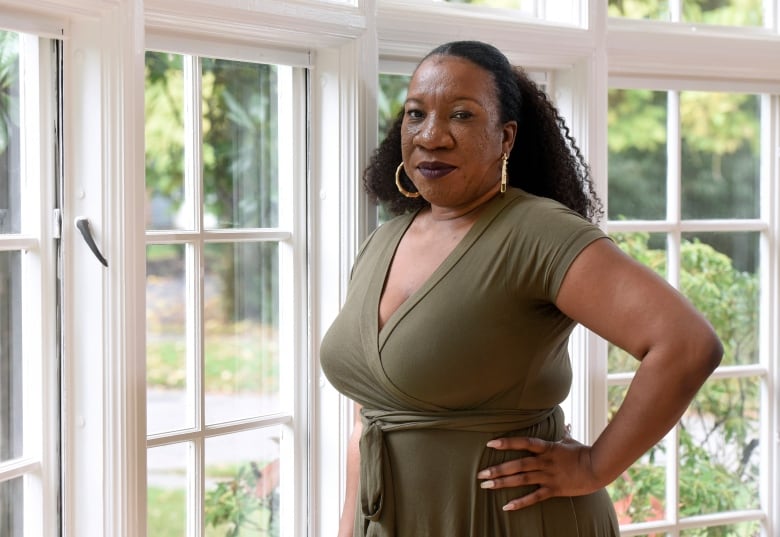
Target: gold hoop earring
x=504, y=157
x=400, y=187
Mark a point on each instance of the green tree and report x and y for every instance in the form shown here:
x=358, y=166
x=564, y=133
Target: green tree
x=239, y=122
x=718, y=439
x=721, y=12
x=9, y=87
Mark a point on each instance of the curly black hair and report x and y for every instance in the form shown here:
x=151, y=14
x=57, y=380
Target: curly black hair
x=545, y=160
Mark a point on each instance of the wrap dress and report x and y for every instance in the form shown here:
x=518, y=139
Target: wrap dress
x=478, y=352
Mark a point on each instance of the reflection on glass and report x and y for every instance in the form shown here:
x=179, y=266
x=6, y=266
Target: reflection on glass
x=724, y=12
x=166, y=344
x=637, y=154
x=720, y=275
x=164, y=132
x=10, y=200
x=241, y=330
x=242, y=483
x=639, y=494
x=11, y=418
x=720, y=155
x=719, y=448
x=167, y=490
x=240, y=139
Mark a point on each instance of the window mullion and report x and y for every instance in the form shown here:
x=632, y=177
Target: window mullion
x=769, y=486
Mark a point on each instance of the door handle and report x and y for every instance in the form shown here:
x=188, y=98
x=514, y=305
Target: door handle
x=82, y=224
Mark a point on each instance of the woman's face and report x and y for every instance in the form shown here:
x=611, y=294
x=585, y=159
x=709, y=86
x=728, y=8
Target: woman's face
x=452, y=137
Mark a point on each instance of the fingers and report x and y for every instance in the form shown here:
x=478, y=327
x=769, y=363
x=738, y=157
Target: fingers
x=514, y=480
x=534, y=445
x=536, y=496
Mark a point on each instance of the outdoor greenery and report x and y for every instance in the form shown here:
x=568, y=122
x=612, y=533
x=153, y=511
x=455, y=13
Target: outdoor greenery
x=718, y=436
x=723, y=12
x=718, y=445
x=235, y=509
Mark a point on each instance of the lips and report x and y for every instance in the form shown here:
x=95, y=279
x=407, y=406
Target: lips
x=434, y=169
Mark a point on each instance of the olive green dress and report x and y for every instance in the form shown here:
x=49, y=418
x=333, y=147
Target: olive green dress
x=478, y=352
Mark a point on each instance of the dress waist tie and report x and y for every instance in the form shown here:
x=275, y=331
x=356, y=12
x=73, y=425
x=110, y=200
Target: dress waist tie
x=373, y=451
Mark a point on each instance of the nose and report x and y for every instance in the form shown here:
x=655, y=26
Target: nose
x=433, y=133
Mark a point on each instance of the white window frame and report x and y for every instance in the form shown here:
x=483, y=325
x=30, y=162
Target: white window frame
x=38, y=466
x=291, y=238
x=104, y=425
x=674, y=225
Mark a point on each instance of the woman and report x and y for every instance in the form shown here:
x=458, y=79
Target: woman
x=453, y=337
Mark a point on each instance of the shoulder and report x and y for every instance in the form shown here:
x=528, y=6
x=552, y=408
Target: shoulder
x=539, y=216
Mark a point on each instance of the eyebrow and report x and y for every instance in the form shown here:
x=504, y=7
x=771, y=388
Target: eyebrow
x=469, y=99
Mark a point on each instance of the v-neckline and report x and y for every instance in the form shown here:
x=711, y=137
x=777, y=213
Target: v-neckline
x=383, y=269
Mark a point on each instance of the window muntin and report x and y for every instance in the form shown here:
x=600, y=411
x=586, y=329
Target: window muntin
x=218, y=286
x=741, y=13
x=29, y=299
x=705, y=234
x=561, y=11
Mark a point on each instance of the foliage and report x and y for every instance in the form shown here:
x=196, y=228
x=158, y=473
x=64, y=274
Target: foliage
x=718, y=435
x=9, y=90
x=239, y=164
x=721, y=12
x=235, y=507
x=164, y=512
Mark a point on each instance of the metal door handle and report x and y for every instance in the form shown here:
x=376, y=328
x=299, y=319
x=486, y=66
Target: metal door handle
x=82, y=224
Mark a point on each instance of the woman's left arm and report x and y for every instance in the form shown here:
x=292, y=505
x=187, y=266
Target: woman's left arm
x=629, y=305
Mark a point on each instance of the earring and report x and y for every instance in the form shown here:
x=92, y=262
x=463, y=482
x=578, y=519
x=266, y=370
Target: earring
x=400, y=187
x=504, y=158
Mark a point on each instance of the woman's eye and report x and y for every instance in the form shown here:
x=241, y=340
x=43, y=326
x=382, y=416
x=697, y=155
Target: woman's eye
x=414, y=114
x=462, y=115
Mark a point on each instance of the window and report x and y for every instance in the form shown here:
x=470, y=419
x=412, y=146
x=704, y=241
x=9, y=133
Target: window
x=84, y=361
x=684, y=198
x=728, y=13
x=29, y=350
x=225, y=223
x=559, y=11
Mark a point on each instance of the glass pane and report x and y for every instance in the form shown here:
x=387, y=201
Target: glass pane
x=719, y=448
x=10, y=201
x=242, y=484
x=720, y=275
x=639, y=494
x=526, y=6
x=637, y=154
x=165, y=137
x=166, y=468
x=720, y=155
x=166, y=343
x=552, y=10
x=639, y=9
x=11, y=415
x=241, y=330
x=12, y=508
x=390, y=100
x=724, y=12
x=743, y=529
x=240, y=139
x=650, y=250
